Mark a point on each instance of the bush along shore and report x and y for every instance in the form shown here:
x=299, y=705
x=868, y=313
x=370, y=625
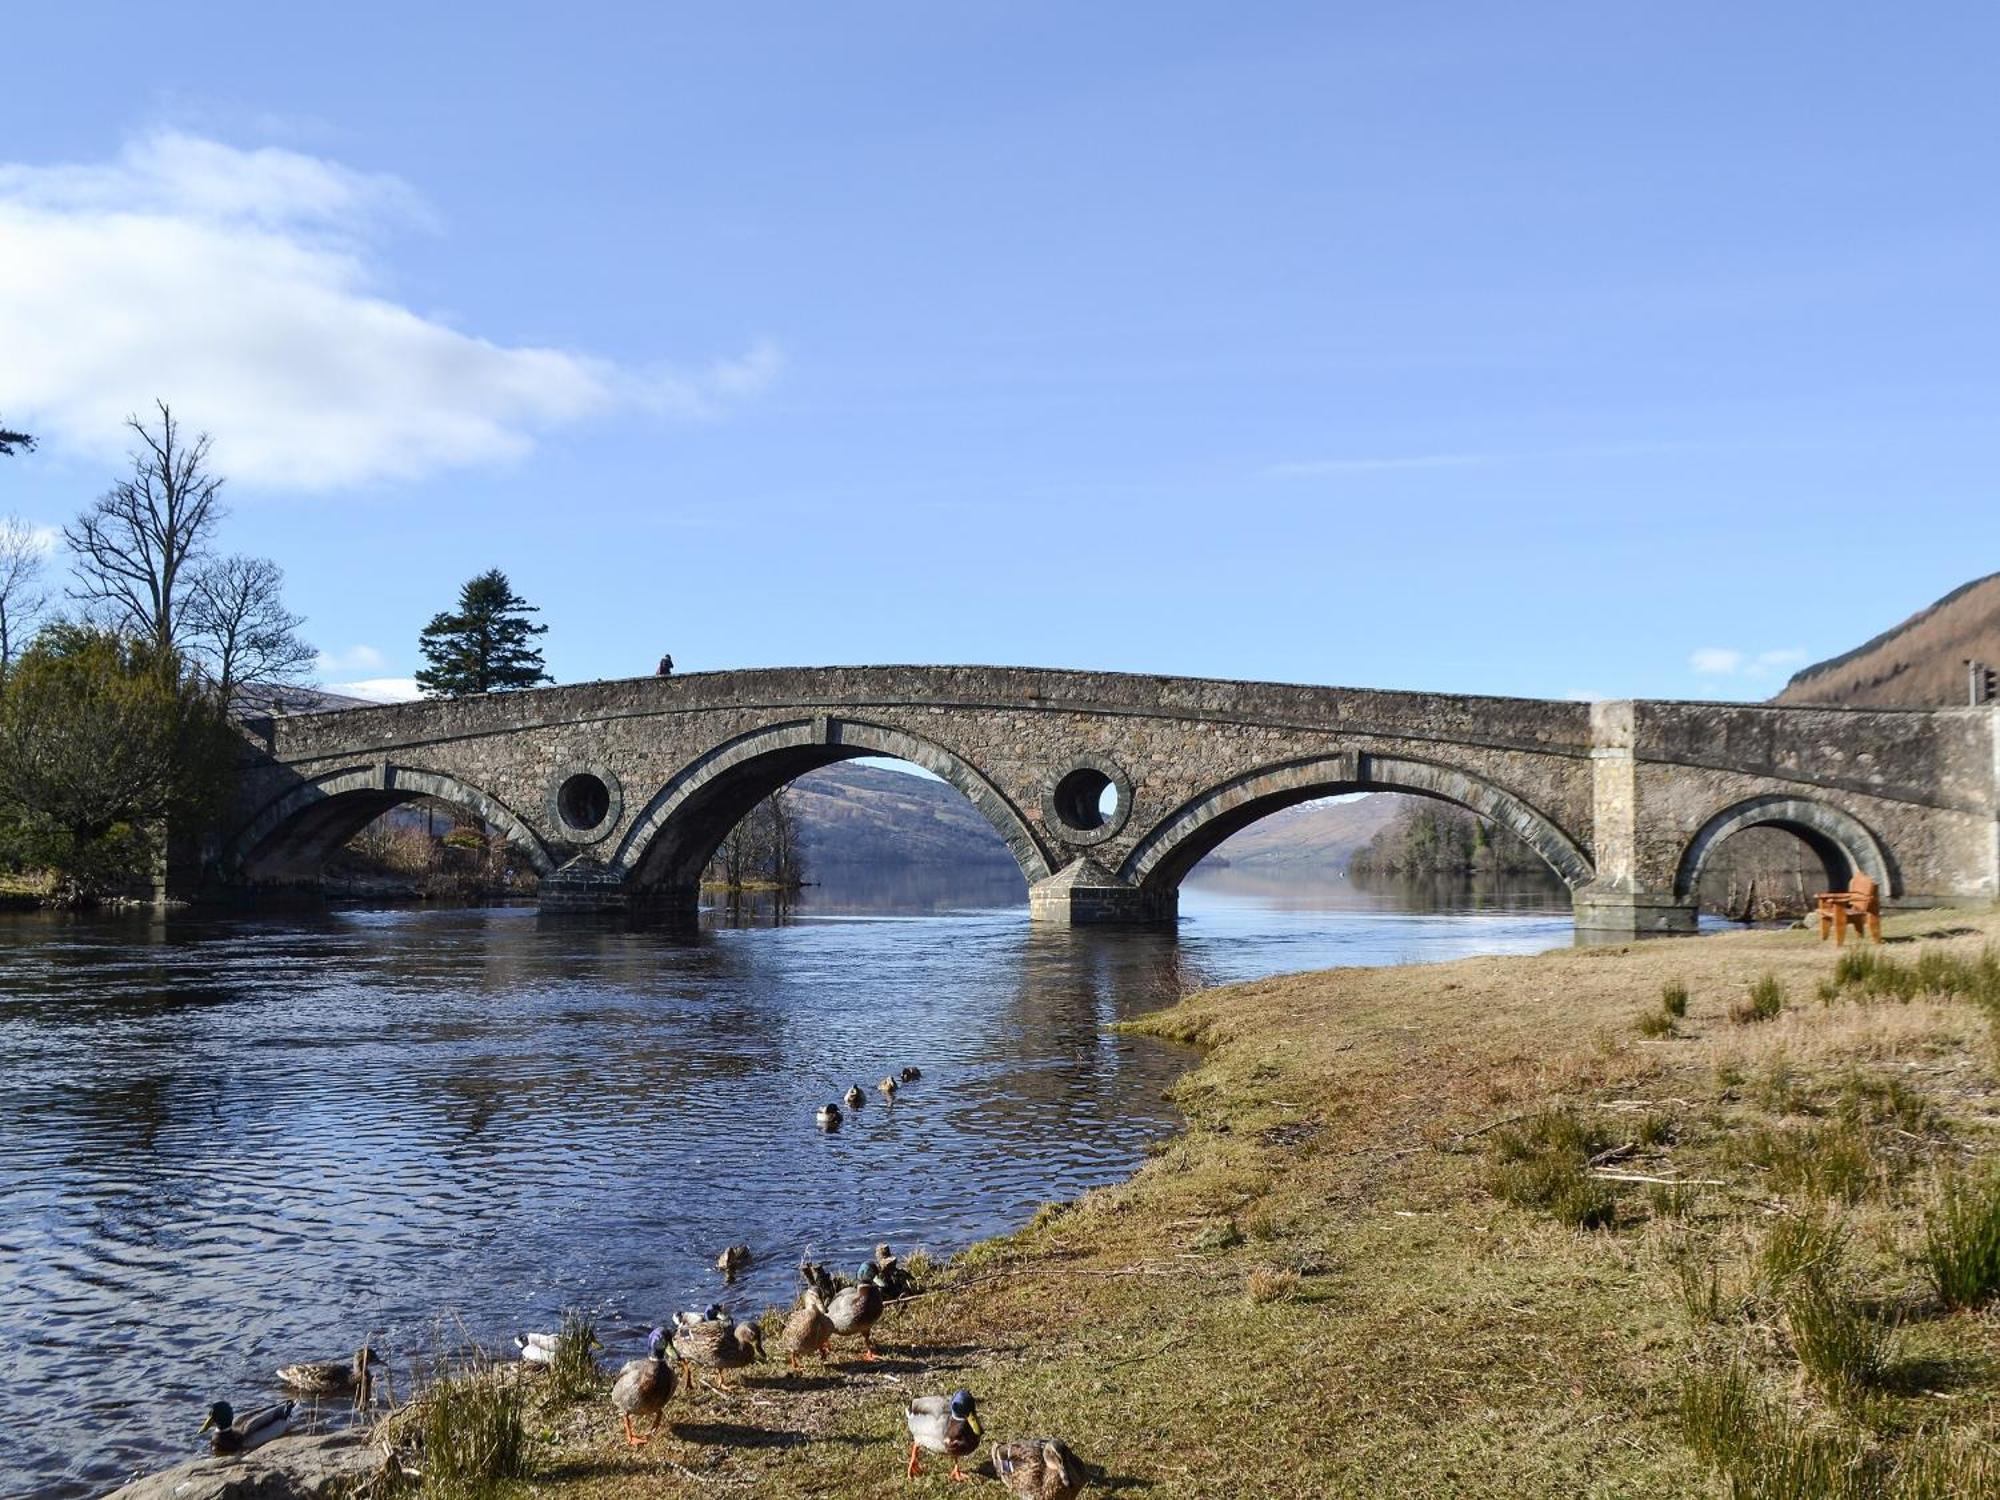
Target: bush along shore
x=1700, y=1217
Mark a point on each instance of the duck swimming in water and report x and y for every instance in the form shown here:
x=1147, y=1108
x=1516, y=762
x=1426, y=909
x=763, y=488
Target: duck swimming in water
x=911, y=1075
x=854, y=1098
x=827, y=1117
x=333, y=1377
x=733, y=1261
x=887, y=1089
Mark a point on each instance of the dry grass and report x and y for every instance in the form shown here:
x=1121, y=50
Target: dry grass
x=1350, y=1274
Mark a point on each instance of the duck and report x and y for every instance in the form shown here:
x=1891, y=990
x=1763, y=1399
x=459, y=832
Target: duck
x=255, y=1430
x=887, y=1089
x=644, y=1387
x=827, y=1117
x=1038, y=1468
x=854, y=1098
x=718, y=1345
x=333, y=1377
x=896, y=1283
x=943, y=1424
x=808, y=1330
x=820, y=1279
x=911, y=1075
x=733, y=1261
x=537, y=1348
x=857, y=1309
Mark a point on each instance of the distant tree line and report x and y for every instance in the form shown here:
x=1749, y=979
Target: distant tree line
x=1429, y=838
x=763, y=851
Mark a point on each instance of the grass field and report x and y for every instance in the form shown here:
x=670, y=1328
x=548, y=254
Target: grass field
x=1649, y=1220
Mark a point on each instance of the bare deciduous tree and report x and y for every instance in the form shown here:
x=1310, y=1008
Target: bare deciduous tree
x=138, y=544
x=237, y=627
x=23, y=551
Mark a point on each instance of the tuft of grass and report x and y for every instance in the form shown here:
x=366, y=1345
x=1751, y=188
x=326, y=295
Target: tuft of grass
x=1884, y=1099
x=1843, y=1348
x=1721, y=1417
x=1803, y=1246
x=1698, y=1280
x=1224, y=1235
x=1962, y=1241
x=1672, y=1200
x=1819, y=1161
x=573, y=1372
x=473, y=1436
x=1941, y=1468
x=1542, y=1163
x=1936, y=972
x=1674, y=999
x=1266, y=1285
x=1765, y=1000
x=1656, y=1023
x=1550, y=1132
x=1654, y=1129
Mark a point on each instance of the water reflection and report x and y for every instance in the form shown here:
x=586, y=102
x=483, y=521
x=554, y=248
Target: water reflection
x=227, y=1143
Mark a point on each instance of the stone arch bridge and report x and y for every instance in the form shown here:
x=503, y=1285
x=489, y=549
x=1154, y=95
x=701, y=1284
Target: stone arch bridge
x=1108, y=788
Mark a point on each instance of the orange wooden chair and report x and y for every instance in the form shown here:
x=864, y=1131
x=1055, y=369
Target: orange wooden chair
x=1860, y=903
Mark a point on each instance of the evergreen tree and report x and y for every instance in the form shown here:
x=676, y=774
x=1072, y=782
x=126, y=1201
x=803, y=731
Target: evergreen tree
x=485, y=646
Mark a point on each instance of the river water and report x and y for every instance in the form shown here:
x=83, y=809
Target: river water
x=231, y=1142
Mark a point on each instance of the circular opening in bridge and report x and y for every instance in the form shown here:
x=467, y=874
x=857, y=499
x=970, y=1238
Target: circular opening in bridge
x=583, y=801
x=1086, y=799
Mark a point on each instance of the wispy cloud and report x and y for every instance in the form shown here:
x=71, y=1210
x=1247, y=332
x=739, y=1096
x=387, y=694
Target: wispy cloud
x=244, y=286
x=1728, y=661
x=351, y=659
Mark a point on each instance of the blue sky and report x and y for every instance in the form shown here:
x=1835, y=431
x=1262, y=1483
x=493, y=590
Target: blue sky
x=1539, y=349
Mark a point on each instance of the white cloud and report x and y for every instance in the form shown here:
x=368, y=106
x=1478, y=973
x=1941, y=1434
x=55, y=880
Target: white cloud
x=353, y=659
x=1727, y=661
x=244, y=288
x=379, y=689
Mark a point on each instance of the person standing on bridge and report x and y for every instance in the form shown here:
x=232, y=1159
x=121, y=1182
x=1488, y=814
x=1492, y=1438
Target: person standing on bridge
x=666, y=668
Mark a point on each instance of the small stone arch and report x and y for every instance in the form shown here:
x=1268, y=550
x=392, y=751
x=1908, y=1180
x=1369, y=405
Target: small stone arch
x=675, y=834
x=302, y=825
x=1178, y=842
x=1842, y=841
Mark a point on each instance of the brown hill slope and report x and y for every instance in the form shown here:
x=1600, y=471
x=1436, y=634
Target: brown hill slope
x=1917, y=664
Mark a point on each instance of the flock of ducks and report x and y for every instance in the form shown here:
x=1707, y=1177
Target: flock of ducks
x=948, y=1426
x=828, y=1116
x=827, y=1308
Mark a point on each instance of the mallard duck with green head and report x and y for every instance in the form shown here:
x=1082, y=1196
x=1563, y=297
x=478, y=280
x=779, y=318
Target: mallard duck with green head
x=1038, y=1469
x=252, y=1431
x=644, y=1387
x=827, y=1117
x=333, y=1377
x=857, y=1309
x=947, y=1425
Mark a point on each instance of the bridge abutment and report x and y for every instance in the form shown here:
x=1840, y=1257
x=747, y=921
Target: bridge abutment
x=1606, y=912
x=1085, y=894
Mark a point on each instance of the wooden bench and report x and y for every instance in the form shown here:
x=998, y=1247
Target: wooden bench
x=1860, y=903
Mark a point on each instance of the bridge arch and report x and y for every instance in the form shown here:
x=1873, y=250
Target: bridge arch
x=675, y=835
x=291, y=836
x=1162, y=859
x=1843, y=843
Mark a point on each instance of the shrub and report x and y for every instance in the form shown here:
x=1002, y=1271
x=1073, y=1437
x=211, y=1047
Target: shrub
x=1962, y=1241
x=1674, y=999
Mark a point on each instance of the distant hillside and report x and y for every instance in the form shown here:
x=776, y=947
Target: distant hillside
x=1918, y=664
x=853, y=814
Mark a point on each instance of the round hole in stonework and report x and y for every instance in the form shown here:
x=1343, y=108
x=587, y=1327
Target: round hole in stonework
x=1086, y=799
x=583, y=801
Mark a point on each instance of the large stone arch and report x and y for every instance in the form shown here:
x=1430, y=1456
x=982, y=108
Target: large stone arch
x=292, y=834
x=1844, y=844
x=1160, y=860
x=674, y=836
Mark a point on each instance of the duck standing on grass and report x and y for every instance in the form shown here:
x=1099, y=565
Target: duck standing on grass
x=255, y=1430
x=808, y=1330
x=896, y=1283
x=943, y=1424
x=857, y=1309
x=1038, y=1469
x=716, y=1344
x=333, y=1377
x=644, y=1387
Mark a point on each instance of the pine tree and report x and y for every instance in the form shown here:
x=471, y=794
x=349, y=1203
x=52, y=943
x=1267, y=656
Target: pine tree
x=486, y=646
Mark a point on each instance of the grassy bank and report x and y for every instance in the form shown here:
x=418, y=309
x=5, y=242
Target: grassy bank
x=1630, y=1221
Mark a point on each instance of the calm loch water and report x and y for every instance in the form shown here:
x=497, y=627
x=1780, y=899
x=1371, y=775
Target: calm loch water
x=230, y=1143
